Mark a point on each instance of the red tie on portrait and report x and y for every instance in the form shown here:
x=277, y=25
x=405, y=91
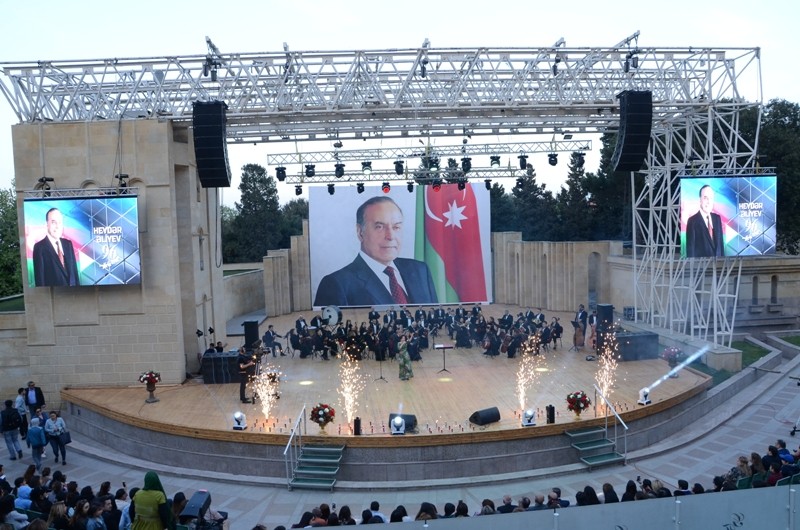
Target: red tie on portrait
x=394, y=286
x=60, y=253
x=710, y=230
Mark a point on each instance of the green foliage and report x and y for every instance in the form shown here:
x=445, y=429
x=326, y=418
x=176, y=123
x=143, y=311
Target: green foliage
x=292, y=215
x=535, y=209
x=10, y=266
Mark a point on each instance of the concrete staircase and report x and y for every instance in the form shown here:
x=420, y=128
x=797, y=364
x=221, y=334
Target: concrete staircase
x=317, y=467
x=594, y=448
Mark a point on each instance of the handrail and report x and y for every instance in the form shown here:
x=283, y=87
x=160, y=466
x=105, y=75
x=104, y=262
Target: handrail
x=293, y=447
x=619, y=419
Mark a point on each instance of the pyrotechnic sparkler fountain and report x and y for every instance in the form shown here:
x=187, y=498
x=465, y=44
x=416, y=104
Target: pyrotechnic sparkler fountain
x=530, y=358
x=351, y=385
x=607, y=368
x=265, y=385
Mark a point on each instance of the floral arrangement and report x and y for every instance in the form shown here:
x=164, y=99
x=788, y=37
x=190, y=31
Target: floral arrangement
x=671, y=354
x=150, y=377
x=578, y=401
x=322, y=414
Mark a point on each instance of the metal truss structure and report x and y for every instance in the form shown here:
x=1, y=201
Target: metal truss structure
x=427, y=93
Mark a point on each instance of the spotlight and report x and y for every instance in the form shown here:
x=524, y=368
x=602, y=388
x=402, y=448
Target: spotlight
x=452, y=164
x=627, y=66
x=398, y=425
x=462, y=184
x=280, y=173
x=331, y=189
x=339, y=171
x=644, y=396
x=366, y=168
x=410, y=187
x=555, y=69
x=552, y=159
x=310, y=172
x=298, y=190
x=437, y=185
x=488, y=183
x=337, y=144
x=635, y=61
x=523, y=161
x=495, y=161
x=239, y=421
x=466, y=164
x=210, y=331
x=360, y=187
x=529, y=418
x=398, y=167
x=198, y=333
x=386, y=187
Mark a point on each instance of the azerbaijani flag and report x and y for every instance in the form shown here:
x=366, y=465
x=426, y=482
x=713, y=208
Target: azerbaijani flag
x=448, y=239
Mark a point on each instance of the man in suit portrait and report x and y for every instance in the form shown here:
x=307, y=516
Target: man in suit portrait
x=54, y=262
x=704, y=237
x=377, y=276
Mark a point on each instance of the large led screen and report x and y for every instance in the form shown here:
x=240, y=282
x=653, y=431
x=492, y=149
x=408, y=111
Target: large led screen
x=399, y=248
x=728, y=216
x=72, y=241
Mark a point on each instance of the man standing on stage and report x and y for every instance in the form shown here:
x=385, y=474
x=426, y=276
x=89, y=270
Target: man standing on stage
x=246, y=369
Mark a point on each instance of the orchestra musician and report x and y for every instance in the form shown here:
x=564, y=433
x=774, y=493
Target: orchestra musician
x=506, y=321
x=373, y=315
x=593, y=328
x=270, y=341
x=247, y=368
x=580, y=330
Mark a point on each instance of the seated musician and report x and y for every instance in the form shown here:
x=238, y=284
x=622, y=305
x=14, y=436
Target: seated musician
x=462, y=335
x=306, y=346
x=270, y=340
x=506, y=321
x=319, y=344
x=545, y=337
x=517, y=339
x=491, y=343
x=413, y=347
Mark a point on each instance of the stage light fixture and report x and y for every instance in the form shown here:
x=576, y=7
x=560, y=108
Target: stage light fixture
x=488, y=184
x=466, y=164
x=529, y=418
x=552, y=159
x=644, y=396
x=386, y=187
x=331, y=189
x=366, y=168
x=280, y=173
x=398, y=167
x=410, y=187
x=210, y=331
x=198, y=333
x=627, y=66
x=339, y=171
x=523, y=161
x=360, y=187
x=239, y=421
x=398, y=425
x=635, y=61
x=337, y=144
x=494, y=161
x=462, y=184
x=437, y=185
x=310, y=171
x=298, y=190
x=452, y=163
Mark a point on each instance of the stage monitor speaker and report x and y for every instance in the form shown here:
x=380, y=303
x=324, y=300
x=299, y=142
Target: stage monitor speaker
x=485, y=416
x=357, y=426
x=250, y=333
x=210, y=147
x=196, y=507
x=410, y=419
x=551, y=414
x=605, y=315
x=635, y=122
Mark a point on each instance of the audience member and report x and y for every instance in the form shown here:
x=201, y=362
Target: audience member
x=538, y=503
x=507, y=506
x=305, y=520
x=698, y=488
x=683, y=488
x=375, y=508
x=427, y=511
x=449, y=510
x=591, y=496
x=630, y=492
x=10, y=516
x=345, y=516
x=58, y=516
x=609, y=494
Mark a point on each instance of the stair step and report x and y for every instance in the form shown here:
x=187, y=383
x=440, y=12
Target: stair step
x=320, y=460
x=603, y=459
x=316, y=470
x=593, y=444
x=312, y=483
x=323, y=449
x=585, y=433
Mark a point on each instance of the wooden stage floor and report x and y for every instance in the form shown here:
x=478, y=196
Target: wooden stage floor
x=441, y=401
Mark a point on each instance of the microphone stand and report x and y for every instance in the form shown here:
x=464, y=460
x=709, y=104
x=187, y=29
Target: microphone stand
x=380, y=365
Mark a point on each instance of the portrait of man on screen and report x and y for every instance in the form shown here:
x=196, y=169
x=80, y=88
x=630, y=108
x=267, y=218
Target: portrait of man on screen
x=704, y=229
x=54, y=261
x=377, y=275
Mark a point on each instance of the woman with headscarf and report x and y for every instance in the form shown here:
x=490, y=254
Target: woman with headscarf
x=149, y=509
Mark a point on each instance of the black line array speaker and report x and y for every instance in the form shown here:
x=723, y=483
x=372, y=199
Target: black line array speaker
x=551, y=413
x=210, y=148
x=635, y=122
x=485, y=416
x=250, y=333
x=410, y=419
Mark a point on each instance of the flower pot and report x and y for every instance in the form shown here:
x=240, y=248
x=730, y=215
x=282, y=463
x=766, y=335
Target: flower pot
x=577, y=415
x=151, y=398
x=322, y=431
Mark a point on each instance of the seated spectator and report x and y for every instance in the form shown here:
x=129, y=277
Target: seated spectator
x=487, y=508
x=23, y=500
x=698, y=488
x=80, y=515
x=660, y=490
x=630, y=492
x=609, y=494
x=788, y=469
x=580, y=498
x=461, y=509
x=345, y=516
x=95, y=521
x=774, y=473
x=525, y=503
x=326, y=510
x=563, y=502
x=39, y=502
x=427, y=511
x=333, y=520
x=305, y=520
x=783, y=452
x=58, y=516
x=538, y=503
x=719, y=481
x=10, y=516
x=449, y=510
x=683, y=488
x=740, y=470
x=507, y=506
x=757, y=465
x=125, y=518
x=375, y=508
x=552, y=500
x=317, y=518
x=590, y=496
x=771, y=457
x=399, y=515
x=647, y=489
x=366, y=515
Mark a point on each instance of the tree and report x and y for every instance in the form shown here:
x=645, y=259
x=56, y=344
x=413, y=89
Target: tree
x=502, y=210
x=10, y=266
x=534, y=208
x=292, y=215
x=257, y=224
x=574, y=214
x=609, y=195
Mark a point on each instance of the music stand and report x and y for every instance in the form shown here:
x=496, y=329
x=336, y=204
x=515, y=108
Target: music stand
x=576, y=325
x=444, y=348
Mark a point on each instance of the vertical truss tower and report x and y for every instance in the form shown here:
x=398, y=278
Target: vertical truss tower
x=699, y=95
